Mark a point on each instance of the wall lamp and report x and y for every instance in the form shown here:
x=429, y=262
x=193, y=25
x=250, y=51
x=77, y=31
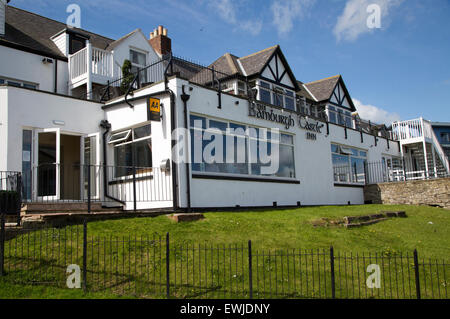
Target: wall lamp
x=47, y=60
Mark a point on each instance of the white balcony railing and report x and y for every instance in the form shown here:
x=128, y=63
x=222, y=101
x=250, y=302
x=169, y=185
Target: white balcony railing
x=101, y=65
x=419, y=128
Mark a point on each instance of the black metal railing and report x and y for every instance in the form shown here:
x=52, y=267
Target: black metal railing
x=59, y=183
x=155, y=267
x=381, y=172
x=11, y=194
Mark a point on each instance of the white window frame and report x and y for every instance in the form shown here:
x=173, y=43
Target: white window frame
x=247, y=142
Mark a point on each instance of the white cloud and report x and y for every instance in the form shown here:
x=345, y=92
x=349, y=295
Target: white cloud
x=286, y=11
x=353, y=21
x=227, y=10
x=375, y=114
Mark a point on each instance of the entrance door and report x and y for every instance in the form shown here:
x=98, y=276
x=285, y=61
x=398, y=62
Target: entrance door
x=47, y=164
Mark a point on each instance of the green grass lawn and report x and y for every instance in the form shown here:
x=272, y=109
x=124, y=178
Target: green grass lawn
x=208, y=258
x=292, y=228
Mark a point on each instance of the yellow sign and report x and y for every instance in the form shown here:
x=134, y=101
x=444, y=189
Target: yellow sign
x=155, y=105
x=153, y=109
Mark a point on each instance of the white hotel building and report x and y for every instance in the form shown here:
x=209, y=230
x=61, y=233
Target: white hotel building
x=62, y=107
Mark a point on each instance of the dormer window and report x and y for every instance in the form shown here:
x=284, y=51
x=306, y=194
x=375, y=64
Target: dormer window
x=76, y=43
x=275, y=95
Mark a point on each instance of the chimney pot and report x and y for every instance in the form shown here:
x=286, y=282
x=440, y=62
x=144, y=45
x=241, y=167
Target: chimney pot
x=160, y=30
x=165, y=32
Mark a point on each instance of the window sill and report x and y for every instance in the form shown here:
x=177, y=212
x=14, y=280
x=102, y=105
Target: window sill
x=246, y=178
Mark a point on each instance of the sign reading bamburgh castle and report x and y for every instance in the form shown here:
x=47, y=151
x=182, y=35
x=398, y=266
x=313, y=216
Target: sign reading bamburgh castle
x=261, y=111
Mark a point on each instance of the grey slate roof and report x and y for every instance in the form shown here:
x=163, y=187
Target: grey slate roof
x=31, y=31
x=252, y=64
x=322, y=89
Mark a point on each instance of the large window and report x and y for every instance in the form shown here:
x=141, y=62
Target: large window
x=245, y=150
x=275, y=95
x=348, y=164
x=132, y=147
x=138, y=62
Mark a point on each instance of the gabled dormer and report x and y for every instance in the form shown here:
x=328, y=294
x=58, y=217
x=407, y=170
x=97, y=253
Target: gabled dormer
x=266, y=71
x=333, y=98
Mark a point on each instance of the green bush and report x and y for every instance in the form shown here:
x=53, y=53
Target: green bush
x=127, y=76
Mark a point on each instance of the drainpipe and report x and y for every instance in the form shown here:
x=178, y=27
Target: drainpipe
x=174, y=163
x=56, y=75
x=106, y=126
x=185, y=97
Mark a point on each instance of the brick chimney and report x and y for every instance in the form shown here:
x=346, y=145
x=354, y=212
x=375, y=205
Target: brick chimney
x=160, y=42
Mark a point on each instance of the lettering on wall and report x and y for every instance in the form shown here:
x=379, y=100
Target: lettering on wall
x=264, y=112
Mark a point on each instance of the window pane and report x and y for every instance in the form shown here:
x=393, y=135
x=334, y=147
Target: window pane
x=287, y=167
x=290, y=103
x=142, y=131
x=2, y=81
x=237, y=129
x=123, y=160
x=264, y=96
x=137, y=57
x=197, y=121
x=264, y=84
x=29, y=86
x=143, y=153
x=332, y=117
x=278, y=99
x=334, y=148
x=287, y=139
x=12, y=83
x=218, y=125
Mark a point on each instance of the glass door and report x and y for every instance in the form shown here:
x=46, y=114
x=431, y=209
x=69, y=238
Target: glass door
x=47, y=165
x=91, y=163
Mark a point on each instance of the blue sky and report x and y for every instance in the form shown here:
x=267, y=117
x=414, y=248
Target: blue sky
x=398, y=71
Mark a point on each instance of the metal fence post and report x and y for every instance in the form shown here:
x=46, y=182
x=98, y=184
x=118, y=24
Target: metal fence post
x=19, y=197
x=2, y=244
x=85, y=254
x=89, y=188
x=416, y=271
x=134, y=188
x=250, y=273
x=167, y=266
x=333, y=282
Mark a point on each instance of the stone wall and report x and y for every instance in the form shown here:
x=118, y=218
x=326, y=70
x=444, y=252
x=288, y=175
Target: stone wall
x=429, y=192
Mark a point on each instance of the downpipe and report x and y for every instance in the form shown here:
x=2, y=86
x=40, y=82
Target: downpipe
x=107, y=126
x=185, y=98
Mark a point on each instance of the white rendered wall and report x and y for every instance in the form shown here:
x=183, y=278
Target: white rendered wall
x=122, y=116
x=122, y=51
x=33, y=109
x=313, y=163
x=24, y=66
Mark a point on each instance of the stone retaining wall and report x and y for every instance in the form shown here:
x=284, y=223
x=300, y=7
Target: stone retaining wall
x=434, y=192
